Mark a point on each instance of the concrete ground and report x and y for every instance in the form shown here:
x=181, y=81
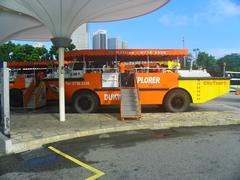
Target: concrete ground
x=32, y=129
x=179, y=153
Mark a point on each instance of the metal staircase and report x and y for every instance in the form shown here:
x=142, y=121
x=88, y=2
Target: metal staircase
x=31, y=101
x=37, y=97
x=130, y=100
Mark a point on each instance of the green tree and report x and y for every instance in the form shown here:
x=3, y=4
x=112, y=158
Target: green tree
x=23, y=53
x=6, y=51
x=209, y=63
x=13, y=52
x=232, y=62
x=70, y=48
x=205, y=60
x=53, y=52
x=40, y=53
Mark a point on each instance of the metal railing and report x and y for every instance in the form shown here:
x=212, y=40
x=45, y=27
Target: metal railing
x=28, y=93
x=154, y=70
x=138, y=93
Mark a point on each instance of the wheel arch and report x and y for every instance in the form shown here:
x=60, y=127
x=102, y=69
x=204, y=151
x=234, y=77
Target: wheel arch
x=15, y=89
x=191, y=100
x=85, y=91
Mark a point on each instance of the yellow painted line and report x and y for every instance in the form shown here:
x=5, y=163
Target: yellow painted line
x=97, y=172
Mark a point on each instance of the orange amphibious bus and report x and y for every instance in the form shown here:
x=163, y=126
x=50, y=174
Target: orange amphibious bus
x=94, y=80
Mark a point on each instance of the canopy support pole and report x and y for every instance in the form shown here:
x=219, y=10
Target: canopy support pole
x=61, y=43
x=61, y=85
x=5, y=105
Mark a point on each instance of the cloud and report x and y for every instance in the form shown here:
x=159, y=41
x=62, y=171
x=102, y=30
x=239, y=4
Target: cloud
x=220, y=52
x=226, y=7
x=214, y=11
x=172, y=19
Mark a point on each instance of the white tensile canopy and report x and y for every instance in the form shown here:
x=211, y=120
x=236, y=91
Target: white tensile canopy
x=62, y=17
x=18, y=26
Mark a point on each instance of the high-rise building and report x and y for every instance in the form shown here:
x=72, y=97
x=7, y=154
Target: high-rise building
x=80, y=37
x=125, y=45
x=100, y=39
x=115, y=43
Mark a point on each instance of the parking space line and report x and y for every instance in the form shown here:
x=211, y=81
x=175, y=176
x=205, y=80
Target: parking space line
x=97, y=172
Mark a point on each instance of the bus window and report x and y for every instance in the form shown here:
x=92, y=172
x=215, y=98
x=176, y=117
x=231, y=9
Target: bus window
x=78, y=66
x=234, y=82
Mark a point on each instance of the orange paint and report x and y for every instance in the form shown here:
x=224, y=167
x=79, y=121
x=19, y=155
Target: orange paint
x=152, y=86
x=19, y=83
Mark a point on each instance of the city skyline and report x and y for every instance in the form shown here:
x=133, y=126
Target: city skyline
x=100, y=40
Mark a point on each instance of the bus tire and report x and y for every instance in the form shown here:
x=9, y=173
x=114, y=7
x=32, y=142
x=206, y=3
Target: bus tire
x=177, y=101
x=85, y=102
x=16, y=98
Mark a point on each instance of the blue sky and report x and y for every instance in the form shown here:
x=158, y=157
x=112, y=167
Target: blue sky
x=210, y=25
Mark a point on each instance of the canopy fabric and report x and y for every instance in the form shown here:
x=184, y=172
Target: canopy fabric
x=128, y=52
x=21, y=27
x=38, y=33
x=62, y=17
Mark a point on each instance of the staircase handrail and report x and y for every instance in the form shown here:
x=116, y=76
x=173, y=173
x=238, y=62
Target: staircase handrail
x=138, y=93
x=120, y=87
x=28, y=92
x=38, y=91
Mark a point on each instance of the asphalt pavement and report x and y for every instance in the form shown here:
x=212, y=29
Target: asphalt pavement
x=183, y=153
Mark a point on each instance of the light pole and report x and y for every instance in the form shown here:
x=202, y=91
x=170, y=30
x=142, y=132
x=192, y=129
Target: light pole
x=224, y=69
x=184, y=58
x=183, y=42
x=196, y=51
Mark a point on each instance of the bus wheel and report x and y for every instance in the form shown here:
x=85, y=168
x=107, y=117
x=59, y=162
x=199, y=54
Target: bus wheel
x=16, y=98
x=85, y=102
x=177, y=101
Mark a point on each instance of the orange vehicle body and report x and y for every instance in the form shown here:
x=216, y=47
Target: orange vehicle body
x=152, y=86
x=18, y=83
